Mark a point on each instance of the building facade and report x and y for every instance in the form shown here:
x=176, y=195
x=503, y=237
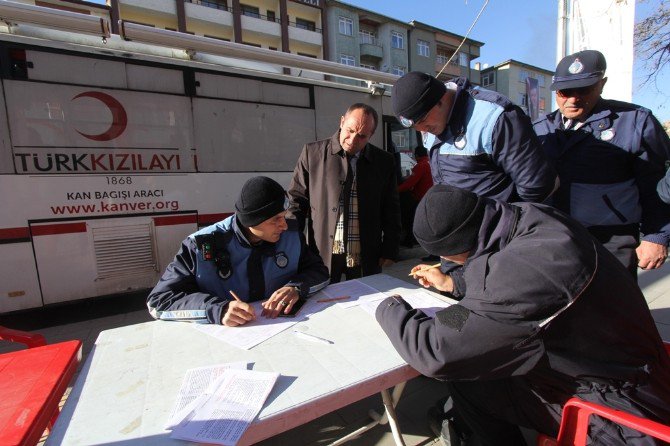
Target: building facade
x=520, y=82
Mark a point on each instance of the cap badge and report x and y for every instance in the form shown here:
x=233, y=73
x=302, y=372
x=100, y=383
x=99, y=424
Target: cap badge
x=281, y=260
x=607, y=135
x=406, y=122
x=576, y=67
x=460, y=142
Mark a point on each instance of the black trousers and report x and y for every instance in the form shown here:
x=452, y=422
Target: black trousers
x=621, y=240
x=338, y=267
x=489, y=413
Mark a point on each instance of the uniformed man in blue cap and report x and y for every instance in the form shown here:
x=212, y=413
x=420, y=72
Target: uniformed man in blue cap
x=609, y=155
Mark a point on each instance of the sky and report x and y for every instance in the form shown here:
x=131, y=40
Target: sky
x=524, y=30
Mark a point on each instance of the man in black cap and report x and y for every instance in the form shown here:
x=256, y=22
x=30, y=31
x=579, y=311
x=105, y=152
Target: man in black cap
x=252, y=255
x=478, y=140
x=535, y=327
x=609, y=155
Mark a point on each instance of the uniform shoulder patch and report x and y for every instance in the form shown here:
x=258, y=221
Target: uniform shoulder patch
x=454, y=316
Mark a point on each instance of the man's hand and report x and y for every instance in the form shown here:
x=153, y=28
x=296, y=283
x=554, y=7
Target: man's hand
x=385, y=262
x=651, y=255
x=281, y=300
x=238, y=313
x=433, y=277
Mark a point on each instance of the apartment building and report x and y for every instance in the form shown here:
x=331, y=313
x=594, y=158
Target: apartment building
x=366, y=39
x=437, y=52
x=515, y=79
x=294, y=26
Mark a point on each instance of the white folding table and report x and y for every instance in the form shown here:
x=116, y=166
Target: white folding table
x=128, y=385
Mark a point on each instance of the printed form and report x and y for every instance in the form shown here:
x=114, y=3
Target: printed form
x=223, y=417
x=198, y=384
x=357, y=291
x=253, y=333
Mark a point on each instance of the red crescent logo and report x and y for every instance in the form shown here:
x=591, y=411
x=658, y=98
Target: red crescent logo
x=119, y=116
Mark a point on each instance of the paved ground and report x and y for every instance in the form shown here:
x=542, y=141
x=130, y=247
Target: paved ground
x=86, y=320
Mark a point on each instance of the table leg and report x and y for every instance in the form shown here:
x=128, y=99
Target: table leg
x=389, y=416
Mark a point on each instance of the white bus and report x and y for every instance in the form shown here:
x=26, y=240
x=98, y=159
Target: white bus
x=111, y=153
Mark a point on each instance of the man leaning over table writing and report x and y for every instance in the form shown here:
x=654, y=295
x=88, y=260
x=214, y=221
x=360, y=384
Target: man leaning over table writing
x=254, y=254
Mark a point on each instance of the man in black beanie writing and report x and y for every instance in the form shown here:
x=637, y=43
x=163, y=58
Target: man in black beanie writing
x=535, y=327
x=255, y=254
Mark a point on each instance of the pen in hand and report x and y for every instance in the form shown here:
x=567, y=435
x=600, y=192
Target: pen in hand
x=424, y=269
x=235, y=296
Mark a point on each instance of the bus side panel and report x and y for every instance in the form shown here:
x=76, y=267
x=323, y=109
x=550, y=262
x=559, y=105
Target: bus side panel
x=245, y=129
x=6, y=164
x=79, y=130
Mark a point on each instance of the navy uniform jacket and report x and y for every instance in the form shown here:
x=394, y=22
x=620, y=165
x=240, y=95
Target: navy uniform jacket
x=549, y=305
x=489, y=148
x=610, y=167
x=197, y=289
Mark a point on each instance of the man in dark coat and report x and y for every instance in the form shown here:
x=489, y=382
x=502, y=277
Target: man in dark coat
x=549, y=314
x=344, y=189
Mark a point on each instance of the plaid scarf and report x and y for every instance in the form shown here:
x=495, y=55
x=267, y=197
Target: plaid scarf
x=353, y=243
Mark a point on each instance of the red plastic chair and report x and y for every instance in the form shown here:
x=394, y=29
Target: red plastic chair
x=32, y=383
x=575, y=422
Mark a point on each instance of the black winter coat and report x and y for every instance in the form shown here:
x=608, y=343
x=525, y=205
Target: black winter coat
x=546, y=302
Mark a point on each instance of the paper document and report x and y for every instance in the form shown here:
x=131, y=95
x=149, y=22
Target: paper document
x=253, y=333
x=197, y=384
x=357, y=290
x=227, y=413
x=417, y=298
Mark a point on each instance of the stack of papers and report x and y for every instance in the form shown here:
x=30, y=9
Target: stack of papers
x=217, y=404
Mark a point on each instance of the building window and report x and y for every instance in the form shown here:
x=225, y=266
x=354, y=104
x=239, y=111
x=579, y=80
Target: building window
x=217, y=4
x=442, y=57
x=271, y=16
x=540, y=80
x=397, y=40
x=398, y=71
x=346, y=26
x=250, y=11
x=463, y=60
x=488, y=79
x=523, y=100
x=305, y=24
x=422, y=48
x=523, y=75
x=366, y=36
x=369, y=67
x=347, y=60
x=542, y=105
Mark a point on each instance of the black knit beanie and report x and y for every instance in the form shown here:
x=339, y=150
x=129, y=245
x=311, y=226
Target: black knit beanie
x=447, y=220
x=415, y=94
x=261, y=198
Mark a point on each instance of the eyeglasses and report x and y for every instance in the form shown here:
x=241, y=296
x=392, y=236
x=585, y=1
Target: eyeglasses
x=572, y=92
x=408, y=123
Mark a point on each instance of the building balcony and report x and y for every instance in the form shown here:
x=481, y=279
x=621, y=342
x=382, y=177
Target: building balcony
x=207, y=14
x=452, y=70
x=372, y=50
x=153, y=7
x=261, y=26
x=308, y=36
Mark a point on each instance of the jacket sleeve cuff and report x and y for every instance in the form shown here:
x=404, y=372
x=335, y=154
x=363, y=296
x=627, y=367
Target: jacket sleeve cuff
x=215, y=313
x=299, y=288
x=660, y=239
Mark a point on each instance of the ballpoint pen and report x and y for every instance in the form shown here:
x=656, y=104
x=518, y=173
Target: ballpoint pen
x=311, y=337
x=424, y=269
